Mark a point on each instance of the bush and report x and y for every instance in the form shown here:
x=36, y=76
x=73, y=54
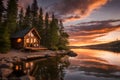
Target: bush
x=54, y=48
x=63, y=47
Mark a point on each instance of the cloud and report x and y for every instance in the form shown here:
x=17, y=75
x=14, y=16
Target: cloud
x=69, y=9
x=89, y=31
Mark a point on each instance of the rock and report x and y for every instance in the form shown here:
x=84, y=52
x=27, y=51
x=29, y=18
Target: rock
x=27, y=77
x=4, y=66
x=5, y=70
x=72, y=54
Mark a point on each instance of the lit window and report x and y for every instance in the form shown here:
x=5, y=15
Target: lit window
x=17, y=67
x=27, y=41
x=27, y=65
x=28, y=34
x=31, y=64
x=19, y=40
x=37, y=45
x=34, y=40
x=31, y=40
x=32, y=35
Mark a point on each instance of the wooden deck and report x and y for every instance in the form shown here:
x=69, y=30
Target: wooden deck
x=36, y=48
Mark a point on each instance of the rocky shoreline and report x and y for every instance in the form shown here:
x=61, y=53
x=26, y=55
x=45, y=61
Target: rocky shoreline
x=7, y=60
x=15, y=55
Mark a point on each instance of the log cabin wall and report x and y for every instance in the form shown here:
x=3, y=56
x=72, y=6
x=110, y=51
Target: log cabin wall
x=17, y=43
x=27, y=38
x=31, y=40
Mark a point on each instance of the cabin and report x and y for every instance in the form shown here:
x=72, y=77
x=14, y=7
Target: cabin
x=27, y=38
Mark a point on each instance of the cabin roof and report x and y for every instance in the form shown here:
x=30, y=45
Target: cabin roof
x=22, y=33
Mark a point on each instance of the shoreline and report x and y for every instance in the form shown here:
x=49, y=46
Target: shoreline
x=17, y=55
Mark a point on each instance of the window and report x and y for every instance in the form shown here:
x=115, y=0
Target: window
x=29, y=34
x=32, y=34
x=37, y=45
x=31, y=40
x=27, y=40
x=35, y=40
x=19, y=40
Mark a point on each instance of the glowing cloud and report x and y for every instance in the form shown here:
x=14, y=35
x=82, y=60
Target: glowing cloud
x=76, y=9
x=93, y=32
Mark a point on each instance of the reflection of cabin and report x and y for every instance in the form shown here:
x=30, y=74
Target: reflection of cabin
x=27, y=38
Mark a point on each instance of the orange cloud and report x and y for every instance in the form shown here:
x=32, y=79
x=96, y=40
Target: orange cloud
x=69, y=9
x=84, y=34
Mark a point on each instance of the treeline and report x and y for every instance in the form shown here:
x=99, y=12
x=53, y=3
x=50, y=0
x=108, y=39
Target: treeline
x=49, y=27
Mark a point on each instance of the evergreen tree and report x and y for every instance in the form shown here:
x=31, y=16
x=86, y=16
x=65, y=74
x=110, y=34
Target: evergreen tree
x=12, y=15
x=4, y=35
x=21, y=19
x=34, y=13
x=4, y=39
x=40, y=27
x=53, y=34
x=46, y=35
x=46, y=21
x=63, y=37
x=40, y=23
x=27, y=18
x=1, y=10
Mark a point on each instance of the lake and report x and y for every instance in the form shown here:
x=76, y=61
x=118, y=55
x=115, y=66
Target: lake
x=88, y=65
x=94, y=65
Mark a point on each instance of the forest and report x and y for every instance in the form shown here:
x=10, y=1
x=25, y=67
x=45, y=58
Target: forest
x=14, y=19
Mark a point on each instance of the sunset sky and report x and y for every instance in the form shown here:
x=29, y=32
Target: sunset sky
x=86, y=21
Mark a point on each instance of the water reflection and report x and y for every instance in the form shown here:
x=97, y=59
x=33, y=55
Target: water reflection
x=46, y=69
x=51, y=69
x=88, y=65
x=94, y=65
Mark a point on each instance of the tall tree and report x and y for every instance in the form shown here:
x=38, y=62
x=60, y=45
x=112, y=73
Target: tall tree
x=4, y=39
x=40, y=26
x=12, y=15
x=53, y=32
x=21, y=19
x=27, y=18
x=40, y=22
x=1, y=9
x=34, y=9
x=46, y=21
x=63, y=37
x=46, y=35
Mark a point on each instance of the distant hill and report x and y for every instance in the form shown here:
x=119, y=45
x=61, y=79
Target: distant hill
x=111, y=46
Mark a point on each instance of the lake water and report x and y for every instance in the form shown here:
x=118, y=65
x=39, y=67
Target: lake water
x=94, y=65
x=88, y=65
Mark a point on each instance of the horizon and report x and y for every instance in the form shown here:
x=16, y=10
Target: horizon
x=95, y=44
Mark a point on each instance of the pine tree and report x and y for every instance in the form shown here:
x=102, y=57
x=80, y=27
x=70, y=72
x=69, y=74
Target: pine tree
x=34, y=9
x=63, y=38
x=4, y=39
x=40, y=27
x=46, y=35
x=46, y=21
x=40, y=23
x=21, y=19
x=12, y=15
x=53, y=34
x=1, y=10
x=27, y=18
